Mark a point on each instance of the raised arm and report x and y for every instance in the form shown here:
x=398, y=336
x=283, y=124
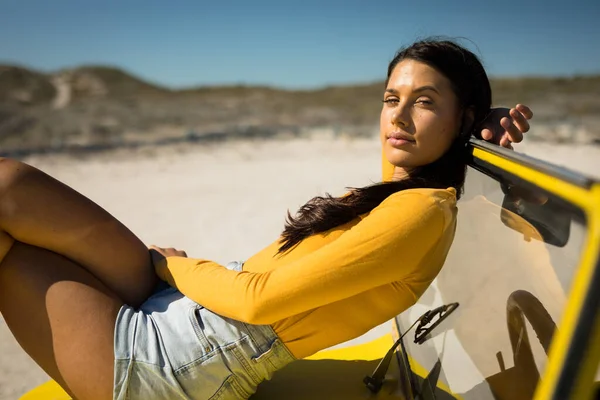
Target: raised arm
x=386, y=246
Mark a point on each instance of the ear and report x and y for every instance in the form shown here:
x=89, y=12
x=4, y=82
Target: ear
x=468, y=119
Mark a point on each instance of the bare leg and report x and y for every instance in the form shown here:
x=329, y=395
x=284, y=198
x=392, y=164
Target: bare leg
x=38, y=210
x=63, y=318
x=65, y=277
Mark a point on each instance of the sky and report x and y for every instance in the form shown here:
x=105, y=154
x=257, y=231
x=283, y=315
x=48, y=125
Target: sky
x=293, y=44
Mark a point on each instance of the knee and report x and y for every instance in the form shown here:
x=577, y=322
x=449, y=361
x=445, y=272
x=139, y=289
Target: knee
x=11, y=172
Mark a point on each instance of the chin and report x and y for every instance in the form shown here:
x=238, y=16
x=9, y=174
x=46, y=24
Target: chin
x=400, y=158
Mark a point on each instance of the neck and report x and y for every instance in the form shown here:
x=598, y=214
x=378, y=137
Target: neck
x=400, y=173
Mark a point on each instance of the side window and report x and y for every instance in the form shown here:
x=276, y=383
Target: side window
x=510, y=267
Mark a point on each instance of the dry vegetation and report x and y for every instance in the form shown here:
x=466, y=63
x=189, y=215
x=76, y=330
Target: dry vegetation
x=94, y=107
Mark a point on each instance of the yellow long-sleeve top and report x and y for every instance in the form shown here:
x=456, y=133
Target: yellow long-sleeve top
x=336, y=285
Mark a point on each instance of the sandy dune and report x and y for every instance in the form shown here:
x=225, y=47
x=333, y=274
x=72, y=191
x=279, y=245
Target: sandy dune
x=221, y=202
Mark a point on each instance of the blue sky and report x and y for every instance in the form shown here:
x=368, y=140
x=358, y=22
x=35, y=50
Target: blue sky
x=295, y=44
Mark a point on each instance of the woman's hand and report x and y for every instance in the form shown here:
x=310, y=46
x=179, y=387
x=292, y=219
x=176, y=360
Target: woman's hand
x=506, y=126
x=159, y=253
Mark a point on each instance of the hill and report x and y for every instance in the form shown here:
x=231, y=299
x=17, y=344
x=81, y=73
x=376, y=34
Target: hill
x=106, y=106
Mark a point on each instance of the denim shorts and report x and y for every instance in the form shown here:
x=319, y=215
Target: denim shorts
x=173, y=348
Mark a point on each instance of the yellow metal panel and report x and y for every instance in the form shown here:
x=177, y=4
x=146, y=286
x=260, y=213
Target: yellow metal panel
x=373, y=350
x=574, y=194
x=47, y=391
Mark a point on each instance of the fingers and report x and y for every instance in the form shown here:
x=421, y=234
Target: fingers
x=168, y=252
x=156, y=255
x=171, y=251
x=175, y=252
x=526, y=111
x=512, y=134
x=520, y=121
x=505, y=142
x=513, y=124
x=487, y=134
x=514, y=129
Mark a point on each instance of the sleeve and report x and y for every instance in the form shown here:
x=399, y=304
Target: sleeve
x=386, y=246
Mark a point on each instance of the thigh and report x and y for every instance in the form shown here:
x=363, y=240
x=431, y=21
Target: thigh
x=63, y=318
x=41, y=211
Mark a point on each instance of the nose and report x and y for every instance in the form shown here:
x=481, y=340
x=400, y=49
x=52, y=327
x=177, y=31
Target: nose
x=401, y=116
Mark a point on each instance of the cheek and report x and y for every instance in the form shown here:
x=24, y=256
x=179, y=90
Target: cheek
x=384, y=119
x=446, y=135
x=429, y=125
x=437, y=134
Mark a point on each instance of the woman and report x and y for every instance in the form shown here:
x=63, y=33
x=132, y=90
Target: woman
x=69, y=270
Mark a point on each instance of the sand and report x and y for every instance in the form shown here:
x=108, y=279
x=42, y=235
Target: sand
x=222, y=202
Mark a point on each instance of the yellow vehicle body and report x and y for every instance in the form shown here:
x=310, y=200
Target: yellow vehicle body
x=524, y=272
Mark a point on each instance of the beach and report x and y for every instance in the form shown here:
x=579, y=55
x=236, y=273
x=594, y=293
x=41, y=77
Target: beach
x=222, y=201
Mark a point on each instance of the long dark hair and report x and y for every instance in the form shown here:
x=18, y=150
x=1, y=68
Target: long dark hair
x=472, y=88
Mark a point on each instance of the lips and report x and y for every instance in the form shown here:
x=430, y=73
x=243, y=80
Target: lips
x=401, y=135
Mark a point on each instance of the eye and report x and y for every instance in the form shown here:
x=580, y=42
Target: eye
x=391, y=101
x=424, y=102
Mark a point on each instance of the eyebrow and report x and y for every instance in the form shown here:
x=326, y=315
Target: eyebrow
x=419, y=89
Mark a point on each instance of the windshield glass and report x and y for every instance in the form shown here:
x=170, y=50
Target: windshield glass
x=510, y=268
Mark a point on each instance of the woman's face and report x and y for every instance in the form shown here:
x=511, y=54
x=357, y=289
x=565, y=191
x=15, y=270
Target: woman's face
x=421, y=116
